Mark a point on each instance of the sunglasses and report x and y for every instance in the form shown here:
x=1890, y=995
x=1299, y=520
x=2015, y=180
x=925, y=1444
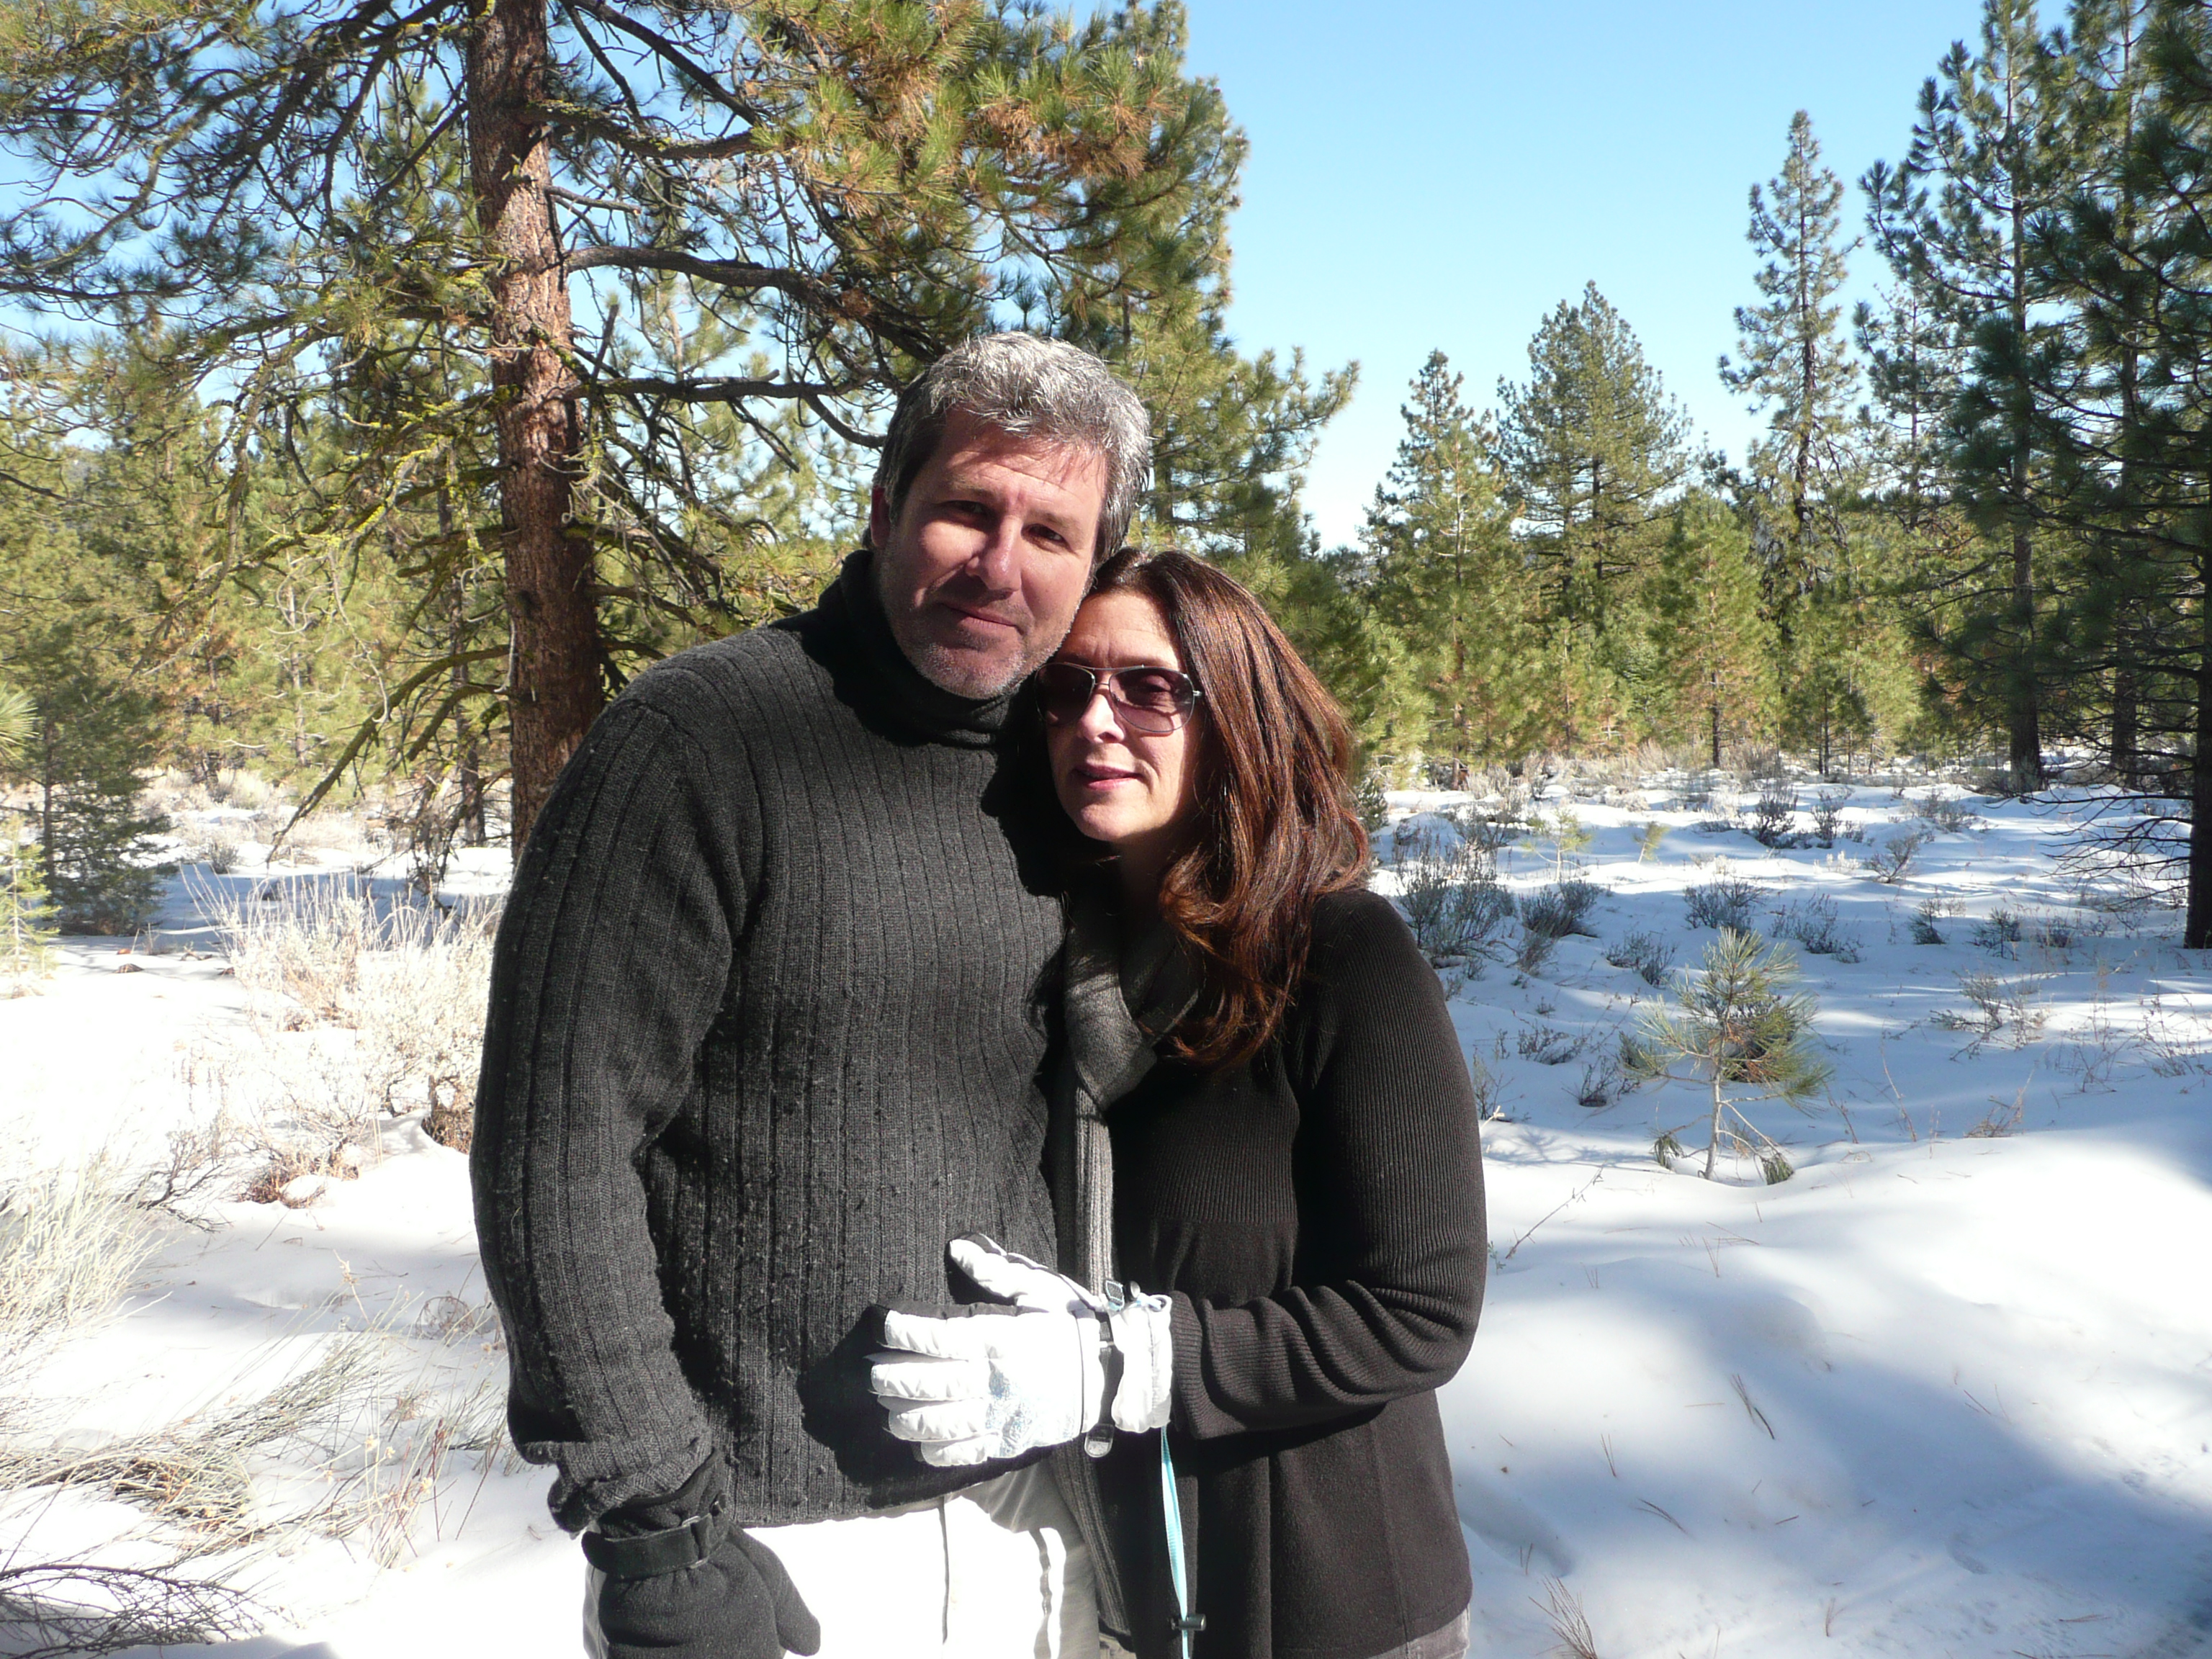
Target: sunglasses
x=1150, y=701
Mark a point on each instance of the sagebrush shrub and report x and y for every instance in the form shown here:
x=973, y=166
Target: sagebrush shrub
x=1561, y=908
x=1888, y=862
x=1726, y=900
x=1814, y=924
x=1773, y=814
x=1452, y=897
x=1828, y=815
x=1646, y=952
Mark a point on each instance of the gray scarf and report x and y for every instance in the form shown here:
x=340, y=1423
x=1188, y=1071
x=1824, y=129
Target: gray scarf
x=1116, y=1005
x=1117, y=1001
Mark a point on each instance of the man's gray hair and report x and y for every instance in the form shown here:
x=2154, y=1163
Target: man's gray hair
x=1026, y=386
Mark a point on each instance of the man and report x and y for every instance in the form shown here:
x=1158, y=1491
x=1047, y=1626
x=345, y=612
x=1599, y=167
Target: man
x=762, y=1040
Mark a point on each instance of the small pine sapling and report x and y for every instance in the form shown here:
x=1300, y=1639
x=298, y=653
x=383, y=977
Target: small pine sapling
x=27, y=931
x=1647, y=844
x=1569, y=839
x=1738, y=1028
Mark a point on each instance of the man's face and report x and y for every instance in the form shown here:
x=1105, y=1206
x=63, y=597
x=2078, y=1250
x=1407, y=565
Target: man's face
x=990, y=554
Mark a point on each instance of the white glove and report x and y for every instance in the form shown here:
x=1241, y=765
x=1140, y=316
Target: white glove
x=993, y=1385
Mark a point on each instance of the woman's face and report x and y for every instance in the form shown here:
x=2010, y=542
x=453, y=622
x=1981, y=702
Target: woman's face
x=1134, y=790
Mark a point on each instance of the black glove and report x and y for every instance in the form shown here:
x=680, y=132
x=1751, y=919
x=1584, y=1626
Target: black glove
x=738, y=1603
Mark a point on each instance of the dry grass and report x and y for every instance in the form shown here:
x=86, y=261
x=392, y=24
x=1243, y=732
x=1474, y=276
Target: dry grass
x=70, y=1244
x=2010, y=1008
x=1563, y=1611
x=355, y=1012
x=369, y=1438
x=359, y=1009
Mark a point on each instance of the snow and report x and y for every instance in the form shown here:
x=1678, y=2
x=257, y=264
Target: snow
x=1946, y=1391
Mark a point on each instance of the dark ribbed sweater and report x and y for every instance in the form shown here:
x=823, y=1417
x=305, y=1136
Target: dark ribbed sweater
x=1318, y=1216
x=763, y=1037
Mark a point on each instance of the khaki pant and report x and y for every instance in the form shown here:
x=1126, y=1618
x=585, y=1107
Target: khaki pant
x=996, y=1571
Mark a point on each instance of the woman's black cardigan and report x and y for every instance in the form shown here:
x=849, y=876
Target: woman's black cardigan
x=1318, y=1216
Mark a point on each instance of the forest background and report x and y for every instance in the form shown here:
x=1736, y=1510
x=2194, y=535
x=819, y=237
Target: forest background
x=389, y=380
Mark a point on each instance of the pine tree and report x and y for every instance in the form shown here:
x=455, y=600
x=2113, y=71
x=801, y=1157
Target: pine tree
x=1594, y=445
x=1955, y=220
x=1913, y=363
x=1438, y=551
x=73, y=631
x=1707, y=625
x=576, y=199
x=1326, y=604
x=1795, y=364
x=2116, y=405
x=1738, y=1028
x=2079, y=381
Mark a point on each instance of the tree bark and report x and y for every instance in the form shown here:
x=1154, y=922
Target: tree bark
x=1713, y=1130
x=2023, y=721
x=46, y=798
x=2196, y=933
x=2127, y=724
x=555, y=685
x=2024, y=729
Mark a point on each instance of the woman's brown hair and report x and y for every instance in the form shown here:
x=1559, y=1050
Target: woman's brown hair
x=1276, y=824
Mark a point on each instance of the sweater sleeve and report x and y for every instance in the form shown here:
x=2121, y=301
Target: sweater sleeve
x=1389, y=1194
x=612, y=963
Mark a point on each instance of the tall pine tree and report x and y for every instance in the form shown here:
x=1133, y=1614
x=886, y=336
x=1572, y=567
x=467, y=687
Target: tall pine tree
x=1440, y=558
x=1794, y=364
x=1708, y=625
x=1594, y=445
x=1954, y=219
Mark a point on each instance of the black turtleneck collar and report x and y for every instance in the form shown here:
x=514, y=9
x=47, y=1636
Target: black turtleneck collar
x=853, y=609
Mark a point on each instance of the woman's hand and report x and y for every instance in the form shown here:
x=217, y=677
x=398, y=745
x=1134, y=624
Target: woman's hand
x=1058, y=1364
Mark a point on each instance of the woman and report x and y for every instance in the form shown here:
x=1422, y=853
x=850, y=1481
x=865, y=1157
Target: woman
x=1294, y=1168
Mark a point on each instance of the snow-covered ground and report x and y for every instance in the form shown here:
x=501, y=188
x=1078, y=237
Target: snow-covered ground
x=1946, y=1391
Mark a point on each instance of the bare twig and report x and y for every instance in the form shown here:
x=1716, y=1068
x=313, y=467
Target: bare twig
x=1574, y=1197
x=53, y=1609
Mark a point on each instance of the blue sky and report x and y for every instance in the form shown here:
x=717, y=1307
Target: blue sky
x=1438, y=175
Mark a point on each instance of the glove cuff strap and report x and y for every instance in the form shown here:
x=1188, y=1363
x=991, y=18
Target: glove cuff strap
x=651, y=1554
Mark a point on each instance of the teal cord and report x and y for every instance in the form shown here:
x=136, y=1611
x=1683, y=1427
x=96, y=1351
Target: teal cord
x=1186, y=1624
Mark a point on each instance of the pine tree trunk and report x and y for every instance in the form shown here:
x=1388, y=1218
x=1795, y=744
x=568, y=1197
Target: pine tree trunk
x=469, y=766
x=1459, y=709
x=2024, y=727
x=2023, y=724
x=2196, y=933
x=554, y=690
x=47, y=799
x=2127, y=726
x=1717, y=734
x=1713, y=1137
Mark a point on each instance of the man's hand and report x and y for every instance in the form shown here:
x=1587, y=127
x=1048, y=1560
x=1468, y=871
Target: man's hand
x=968, y=1390
x=738, y=1603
